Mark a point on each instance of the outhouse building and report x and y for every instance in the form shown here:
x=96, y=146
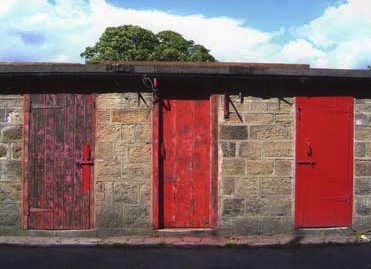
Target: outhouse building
x=143, y=148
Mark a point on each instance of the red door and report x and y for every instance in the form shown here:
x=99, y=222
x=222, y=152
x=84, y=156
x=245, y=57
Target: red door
x=324, y=161
x=185, y=163
x=58, y=157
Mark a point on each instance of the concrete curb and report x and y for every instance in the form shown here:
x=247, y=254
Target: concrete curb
x=184, y=241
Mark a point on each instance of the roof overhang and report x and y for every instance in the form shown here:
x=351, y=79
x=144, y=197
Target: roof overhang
x=178, y=75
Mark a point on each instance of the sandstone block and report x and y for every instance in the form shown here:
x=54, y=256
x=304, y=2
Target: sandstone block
x=247, y=187
x=365, y=107
x=363, y=168
x=14, y=117
x=137, y=217
x=251, y=150
x=278, y=149
x=16, y=151
x=246, y=226
x=363, y=133
x=361, y=223
x=110, y=217
x=258, y=106
x=126, y=192
x=368, y=150
x=363, y=205
x=3, y=151
x=10, y=192
x=268, y=132
x=360, y=149
x=104, y=151
x=137, y=171
x=130, y=116
x=233, y=167
x=233, y=132
x=277, y=225
x=258, y=118
x=283, y=168
x=228, y=185
x=10, y=215
x=110, y=134
x=361, y=119
x=13, y=103
x=286, y=119
x=233, y=207
x=2, y=115
x=280, y=106
x=254, y=206
x=11, y=133
x=139, y=152
x=229, y=149
x=363, y=186
x=107, y=170
x=260, y=167
x=145, y=193
x=276, y=186
x=10, y=170
x=277, y=205
x=128, y=132
x=143, y=133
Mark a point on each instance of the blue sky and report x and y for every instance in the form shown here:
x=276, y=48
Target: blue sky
x=267, y=15
x=323, y=33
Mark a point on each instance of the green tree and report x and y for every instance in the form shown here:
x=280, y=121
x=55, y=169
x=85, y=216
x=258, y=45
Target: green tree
x=133, y=43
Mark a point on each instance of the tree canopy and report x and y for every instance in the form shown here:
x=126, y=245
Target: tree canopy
x=134, y=43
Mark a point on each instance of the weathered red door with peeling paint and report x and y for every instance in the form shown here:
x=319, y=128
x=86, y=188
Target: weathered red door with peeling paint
x=58, y=173
x=185, y=166
x=324, y=161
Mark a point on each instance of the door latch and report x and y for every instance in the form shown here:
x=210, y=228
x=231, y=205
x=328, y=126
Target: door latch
x=306, y=162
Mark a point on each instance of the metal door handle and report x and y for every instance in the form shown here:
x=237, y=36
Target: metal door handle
x=306, y=162
x=309, y=149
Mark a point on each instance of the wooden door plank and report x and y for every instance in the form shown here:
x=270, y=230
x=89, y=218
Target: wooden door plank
x=79, y=138
x=49, y=179
x=70, y=164
x=201, y=177
x=183, y=189
x=60, y=155
x=168, y=152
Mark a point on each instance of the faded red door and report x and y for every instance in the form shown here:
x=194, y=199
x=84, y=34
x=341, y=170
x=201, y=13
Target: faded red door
x=185, y=163
x=324, y=161
x=58, y=174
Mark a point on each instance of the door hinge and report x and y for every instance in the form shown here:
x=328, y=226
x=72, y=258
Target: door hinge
x=28, y=106
x=162, y=151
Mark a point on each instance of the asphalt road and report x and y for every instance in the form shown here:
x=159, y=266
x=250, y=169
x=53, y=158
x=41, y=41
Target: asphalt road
x=351, y=256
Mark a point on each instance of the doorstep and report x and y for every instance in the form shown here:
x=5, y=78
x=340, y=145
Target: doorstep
x=178, y=232
x=183, y=241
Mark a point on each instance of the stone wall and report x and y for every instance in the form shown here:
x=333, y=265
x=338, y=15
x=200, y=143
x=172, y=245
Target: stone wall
x=123, y=169
x=11, y=122
x=256, y=157
x=362, y=164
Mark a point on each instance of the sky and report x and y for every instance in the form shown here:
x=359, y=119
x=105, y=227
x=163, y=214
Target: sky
x=322, y=33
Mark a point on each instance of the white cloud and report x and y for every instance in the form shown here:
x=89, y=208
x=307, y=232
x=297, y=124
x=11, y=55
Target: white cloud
x=36, y=30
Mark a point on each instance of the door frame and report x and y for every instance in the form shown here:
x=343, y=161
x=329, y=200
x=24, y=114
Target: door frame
x=26, y=163
x=156, y=182
x=351, y=172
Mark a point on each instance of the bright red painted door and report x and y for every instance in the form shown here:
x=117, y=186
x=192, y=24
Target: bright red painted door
x=60, y=139
x=324, y=161
x=185, y=163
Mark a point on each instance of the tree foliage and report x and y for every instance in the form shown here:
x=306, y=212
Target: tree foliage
x=133, y=43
